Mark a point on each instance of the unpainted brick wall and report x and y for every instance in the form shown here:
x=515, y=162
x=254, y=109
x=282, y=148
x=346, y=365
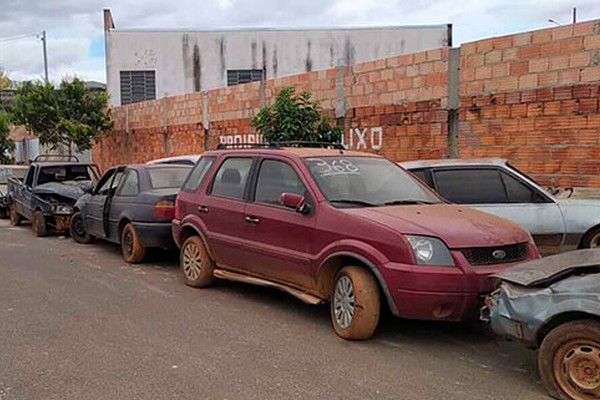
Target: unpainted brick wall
x=530, y=97
x=533, y=98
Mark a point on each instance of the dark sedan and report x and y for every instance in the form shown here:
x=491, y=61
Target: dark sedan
x=132, y=206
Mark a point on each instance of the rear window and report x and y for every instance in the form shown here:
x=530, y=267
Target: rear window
x=166, y=178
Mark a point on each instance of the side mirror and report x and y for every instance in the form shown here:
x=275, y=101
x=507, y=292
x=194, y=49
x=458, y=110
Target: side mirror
x=295, y=201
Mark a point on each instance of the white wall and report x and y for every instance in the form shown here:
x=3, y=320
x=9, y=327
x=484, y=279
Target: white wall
x=190, y=61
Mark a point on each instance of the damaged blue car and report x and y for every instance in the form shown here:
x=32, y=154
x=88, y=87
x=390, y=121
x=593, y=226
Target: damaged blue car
x=553, y=305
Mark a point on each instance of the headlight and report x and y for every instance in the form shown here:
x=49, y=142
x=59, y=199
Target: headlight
x=60, y=209
x=430, y=251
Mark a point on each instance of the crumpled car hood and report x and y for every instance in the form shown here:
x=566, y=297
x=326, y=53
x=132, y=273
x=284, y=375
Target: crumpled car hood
x=547, y=270
x=457, y=226
x=71, y=189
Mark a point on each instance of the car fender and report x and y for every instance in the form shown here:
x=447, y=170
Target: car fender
x=195, y=223
x=367, y=254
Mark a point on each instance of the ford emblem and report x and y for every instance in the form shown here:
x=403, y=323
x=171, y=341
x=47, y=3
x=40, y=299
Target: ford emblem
x=499, y=254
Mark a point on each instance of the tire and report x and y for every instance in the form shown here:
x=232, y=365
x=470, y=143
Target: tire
x=196, y=266
x=355, y=303
x=38, y=224
x=131, y=247
x=77, y=230
x=3, y=213
x=591, y=240
x=15, y=217
x=569, y=361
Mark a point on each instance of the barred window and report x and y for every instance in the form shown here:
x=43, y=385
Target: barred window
x=239, y=76
x=137, y=86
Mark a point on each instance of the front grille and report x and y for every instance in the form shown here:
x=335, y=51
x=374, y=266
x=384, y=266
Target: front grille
x=495, y=255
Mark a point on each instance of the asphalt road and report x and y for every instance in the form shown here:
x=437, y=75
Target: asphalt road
x=76, y=322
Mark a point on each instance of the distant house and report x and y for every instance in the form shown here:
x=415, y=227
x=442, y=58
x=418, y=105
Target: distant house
x=150, y=64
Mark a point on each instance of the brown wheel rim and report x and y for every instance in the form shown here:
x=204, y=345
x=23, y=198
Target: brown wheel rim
x=36, y=224
x=577, y=369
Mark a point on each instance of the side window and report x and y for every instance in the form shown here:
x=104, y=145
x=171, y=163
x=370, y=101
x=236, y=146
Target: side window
x=131, y=184
x=275, y=178
x=231, y=178
x=471, y=186
x=517, y=191
x=195, y=177
x=423, y=176
x=105, y=181
x=29, y=177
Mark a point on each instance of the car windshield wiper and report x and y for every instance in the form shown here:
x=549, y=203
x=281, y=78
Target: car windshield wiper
x=350, y=201
x=405, y=202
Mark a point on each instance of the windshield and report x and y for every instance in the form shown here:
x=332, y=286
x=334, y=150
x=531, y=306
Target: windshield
x=366, y=182
x=64, y=173
x=165, y=178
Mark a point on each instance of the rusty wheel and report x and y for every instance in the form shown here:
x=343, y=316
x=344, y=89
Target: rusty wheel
x=77, y=229
x=131, y=247
x=40, y=229
x=355, y=303
x=569, y=361
x=15, y=217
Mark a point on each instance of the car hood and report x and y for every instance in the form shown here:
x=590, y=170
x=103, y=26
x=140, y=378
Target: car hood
x=545, y=271
x=457, y=226
x=71, y=189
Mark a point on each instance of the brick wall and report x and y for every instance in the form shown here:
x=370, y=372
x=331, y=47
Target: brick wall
x=533, y=98
x=530, y=97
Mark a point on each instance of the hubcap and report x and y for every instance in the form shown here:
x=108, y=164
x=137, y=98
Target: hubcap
x=78, y=226
x=577, y=369
x=192, y=261
x=128, y=243
x=344, y=302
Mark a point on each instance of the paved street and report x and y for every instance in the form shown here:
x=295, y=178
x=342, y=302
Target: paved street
x=79, y=323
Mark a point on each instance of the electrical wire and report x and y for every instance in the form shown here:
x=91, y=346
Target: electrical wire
x=10, y=38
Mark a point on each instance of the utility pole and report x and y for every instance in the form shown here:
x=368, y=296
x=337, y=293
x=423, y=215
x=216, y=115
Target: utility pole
x=44, y=46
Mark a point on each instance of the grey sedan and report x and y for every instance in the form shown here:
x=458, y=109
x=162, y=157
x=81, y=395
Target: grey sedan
x=496, y=187
x=130, y=205
x=554, y=304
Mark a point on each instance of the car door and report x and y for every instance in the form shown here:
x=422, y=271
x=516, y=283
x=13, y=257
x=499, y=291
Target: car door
x=279, y=239
x=93, y=217
x=124, y=197
x=24, y=205
x=222, y=208
x=496, y=191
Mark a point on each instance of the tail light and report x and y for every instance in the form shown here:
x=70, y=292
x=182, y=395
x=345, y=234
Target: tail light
x=177, y=208
x=164, y=209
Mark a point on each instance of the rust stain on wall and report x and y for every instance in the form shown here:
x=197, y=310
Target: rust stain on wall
x=275, y=61
x=197, y=69
x=308, y=56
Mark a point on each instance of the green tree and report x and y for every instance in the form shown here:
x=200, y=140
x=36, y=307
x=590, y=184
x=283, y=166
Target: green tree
x=5, y=81
x=7, y=145
x=295, y=117
x=69, y=115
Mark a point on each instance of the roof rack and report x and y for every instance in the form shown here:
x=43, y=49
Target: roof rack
x=279, y=145
x=55, y=157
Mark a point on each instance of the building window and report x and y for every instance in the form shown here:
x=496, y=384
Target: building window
x=137, y=86
x=239, y=76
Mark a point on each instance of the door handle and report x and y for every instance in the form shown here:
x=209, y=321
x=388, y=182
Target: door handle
x=252, y=220
x=203, y=209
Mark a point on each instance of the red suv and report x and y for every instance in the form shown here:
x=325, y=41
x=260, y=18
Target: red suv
x=351, y=228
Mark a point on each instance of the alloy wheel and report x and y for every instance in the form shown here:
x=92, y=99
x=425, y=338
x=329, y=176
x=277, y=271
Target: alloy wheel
x=192, y=261
x=344, y=302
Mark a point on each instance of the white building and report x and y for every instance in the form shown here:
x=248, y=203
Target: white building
x=147, y=64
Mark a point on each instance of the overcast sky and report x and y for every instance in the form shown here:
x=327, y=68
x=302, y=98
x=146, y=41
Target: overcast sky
x=76, y=42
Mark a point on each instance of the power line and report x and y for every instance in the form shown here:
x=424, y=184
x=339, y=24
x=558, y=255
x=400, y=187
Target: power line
x=10, y=38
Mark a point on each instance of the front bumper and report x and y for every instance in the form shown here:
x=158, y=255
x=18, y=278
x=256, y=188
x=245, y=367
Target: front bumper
x=442, y=293
x=155, y=234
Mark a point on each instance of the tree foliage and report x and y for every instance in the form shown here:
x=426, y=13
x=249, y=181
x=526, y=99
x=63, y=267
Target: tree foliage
x=69, y=115
x=7, y=145
x=5, y=81
x=295, y=117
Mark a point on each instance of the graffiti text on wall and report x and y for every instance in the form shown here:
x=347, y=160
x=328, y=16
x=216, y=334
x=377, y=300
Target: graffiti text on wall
x=365, y=138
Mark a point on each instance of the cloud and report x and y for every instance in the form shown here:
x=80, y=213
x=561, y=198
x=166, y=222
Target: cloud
x=74, y=25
